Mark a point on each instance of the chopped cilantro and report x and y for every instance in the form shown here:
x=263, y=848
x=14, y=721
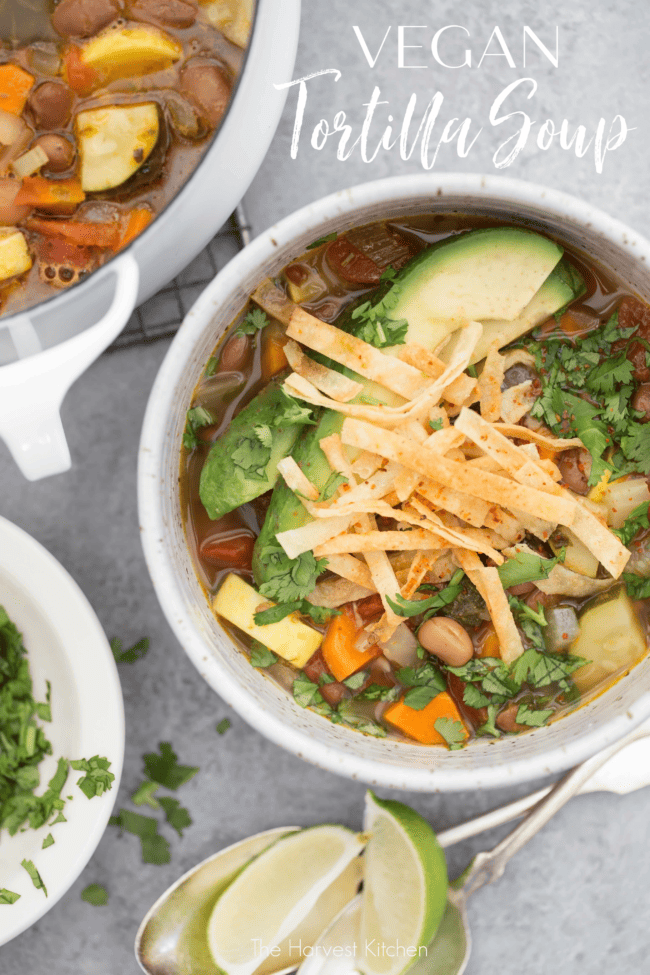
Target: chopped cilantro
x=133, y=654
x=305, y=692
x=526, y=567
x=144, y=795
x=436, y=424
x=155, y=848
x=534, y=718
x=333, y=483
x=539, y=669
x=48, y=841
x=418, y=697
x=97, y=779
x=261, y=656
x=8, y=896
x=293, y=411
x=289, y=579
x=319, y=614
x=377, y=692
x=196, y=418
x=95, y=894
x=223, y=725
x=322, y=240
x=355, y=681
x=211, y=367
x=252, y=456
x=637, y=521
x=636, y=586
x=164, y=768
x=36, y=878
x=254, y=322
x=326, y=679
x=388, y=275
x=177, y=816
x=414, y=607
x=263, y=434
x=452, y=731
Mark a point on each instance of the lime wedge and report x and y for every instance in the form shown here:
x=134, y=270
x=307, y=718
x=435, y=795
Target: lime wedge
x=405, y=887
x=275, y=892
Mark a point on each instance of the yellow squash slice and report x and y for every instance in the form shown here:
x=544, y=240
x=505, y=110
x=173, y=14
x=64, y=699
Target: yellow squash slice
x=232, y=17
x=130, y=51
x=14, y=255
x=114, y=142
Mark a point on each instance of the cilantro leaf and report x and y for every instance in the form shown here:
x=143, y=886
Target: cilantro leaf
x=164, y=768
x=293, y=411
x=636, y=586
x=636, y=521
x=305, y=692
x=418, y=697
x=223, y=725
x=95, y=894
x=289, y=579
x=526, y=567
x=254, y=322
x=252, y=456
x=155, y=848
x=36, y=878
x=177, y=816
x=211, y=367
x=322, y=240
x=406, y=607
x=196, y=418
x=97, y=779
x=263, y=434
x=333, y=483
x=144, y=795
x=534, y=718
x=48, y=841
x=133, y=654
x=452, y=731
x=319, y=614
x=355, y=681
x=377, y=692
x=8, y=896
x=261, y=656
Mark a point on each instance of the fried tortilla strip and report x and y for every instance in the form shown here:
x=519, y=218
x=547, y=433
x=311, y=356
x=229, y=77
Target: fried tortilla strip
x=489, y=487
x=489, y=384
x=601, y=542
x=472, y=510
x=446, y=439
x=517, y=401
x=355, y=354
x=273, y=301
x=354, y=570
x=470, y=538
x=376, y=487
x=378, y=541
x=462, y=392
x=334, y=384
x=421, y=564
x=488, y=583
x=295, y=541
x=537, y=437
x=422, y=358
x=366, y=464
x=332, y=593
x=296, y=479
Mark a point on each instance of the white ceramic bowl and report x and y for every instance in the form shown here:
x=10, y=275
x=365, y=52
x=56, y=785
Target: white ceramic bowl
x=262, y=703
x=43, y=351
x=66, y=645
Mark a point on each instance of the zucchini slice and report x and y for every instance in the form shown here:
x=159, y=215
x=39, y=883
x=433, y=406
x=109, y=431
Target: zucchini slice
x=114, y=142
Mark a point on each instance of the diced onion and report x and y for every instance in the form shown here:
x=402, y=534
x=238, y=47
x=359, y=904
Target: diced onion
x=30, y=162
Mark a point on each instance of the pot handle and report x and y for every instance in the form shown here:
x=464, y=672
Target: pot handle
x=32, y=389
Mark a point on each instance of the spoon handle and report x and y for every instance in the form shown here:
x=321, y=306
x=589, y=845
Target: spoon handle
x=489, y=866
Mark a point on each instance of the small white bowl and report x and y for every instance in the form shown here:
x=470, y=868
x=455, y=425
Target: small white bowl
x=66, y=645
x=261, y=702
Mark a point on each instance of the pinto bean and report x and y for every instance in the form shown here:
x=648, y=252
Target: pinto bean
x=641, y=401
x=235, y=352
x=507, y=720
x=59, y=151
x=333, y=693
x=51, y=105
x=633, y=313
x=163, y=13
x=575, y=467
x=82, y=18
x=369, y=608
x=207, y=84
x=447, y=639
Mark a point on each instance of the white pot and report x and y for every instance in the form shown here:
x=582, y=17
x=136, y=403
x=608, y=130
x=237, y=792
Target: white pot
x=259, y=700
x=48, y=347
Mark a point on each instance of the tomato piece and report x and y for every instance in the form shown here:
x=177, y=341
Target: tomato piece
x=232, y=550
x=79, y=76
x=351, y=264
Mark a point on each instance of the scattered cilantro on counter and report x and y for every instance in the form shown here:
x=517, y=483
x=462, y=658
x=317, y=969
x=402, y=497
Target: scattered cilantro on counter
x=144, y=795
x=176, y=815
x=133, y=654
x=224, y=724
x=95, y=894
x=155, y=848
x=165, y=770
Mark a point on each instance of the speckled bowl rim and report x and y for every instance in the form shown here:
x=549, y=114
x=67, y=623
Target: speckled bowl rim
x=517, y=760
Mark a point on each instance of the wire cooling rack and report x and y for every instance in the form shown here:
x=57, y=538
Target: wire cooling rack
x=160, y=317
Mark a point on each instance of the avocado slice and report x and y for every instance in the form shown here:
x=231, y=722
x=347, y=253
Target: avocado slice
x=483, y=274
x=224, y=484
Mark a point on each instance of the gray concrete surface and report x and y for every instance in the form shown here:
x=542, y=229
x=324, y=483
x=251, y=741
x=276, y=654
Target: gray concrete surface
x=576, y=900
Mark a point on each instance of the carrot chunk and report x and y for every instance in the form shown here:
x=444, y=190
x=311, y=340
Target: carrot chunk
x=135, y=221
x=88, y=234
x=339, y=650
x=80, y=76
x=421, y=724
x=15, y=85
x=37, y=191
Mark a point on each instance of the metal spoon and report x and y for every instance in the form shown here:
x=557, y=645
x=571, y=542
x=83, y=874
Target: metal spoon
x=448, y=953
